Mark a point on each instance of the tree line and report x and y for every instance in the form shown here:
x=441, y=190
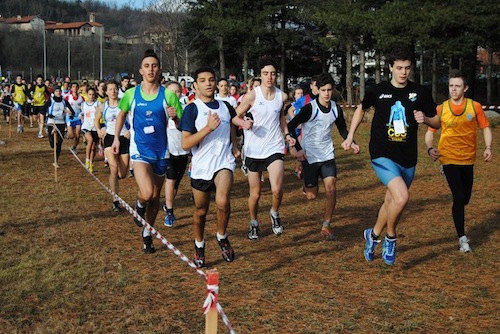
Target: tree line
x=306, y=38
x=312, y=37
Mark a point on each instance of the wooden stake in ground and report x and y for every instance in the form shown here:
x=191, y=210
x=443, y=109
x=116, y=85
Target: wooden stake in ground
x=54, y=133
x=210, y=305
x=10, y=122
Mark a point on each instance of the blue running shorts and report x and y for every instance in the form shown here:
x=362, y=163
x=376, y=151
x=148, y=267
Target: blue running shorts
x=386, y=170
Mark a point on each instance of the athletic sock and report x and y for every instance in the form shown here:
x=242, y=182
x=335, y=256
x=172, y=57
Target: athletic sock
x=146, y=233
x=325, y=224
x=199, y=244
x=254, y=223
x=274, y=214
x=171, y=211
x=390, y=237
x=139, y=205
x=220, y=237
x=374, y=236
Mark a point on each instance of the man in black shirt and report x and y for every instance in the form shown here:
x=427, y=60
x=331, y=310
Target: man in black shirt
x=400, y=105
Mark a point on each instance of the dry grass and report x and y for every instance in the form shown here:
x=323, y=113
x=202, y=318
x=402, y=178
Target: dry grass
x=69, y=265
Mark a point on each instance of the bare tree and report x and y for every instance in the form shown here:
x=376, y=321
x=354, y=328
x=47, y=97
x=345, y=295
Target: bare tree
x=166, y=20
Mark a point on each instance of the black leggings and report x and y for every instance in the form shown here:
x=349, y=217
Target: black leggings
x=60, y=139
x=460, y=179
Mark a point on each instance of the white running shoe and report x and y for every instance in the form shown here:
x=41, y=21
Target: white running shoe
x=464, y=244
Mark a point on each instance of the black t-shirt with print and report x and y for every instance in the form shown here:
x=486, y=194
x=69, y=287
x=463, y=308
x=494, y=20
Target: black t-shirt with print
x=394, y=130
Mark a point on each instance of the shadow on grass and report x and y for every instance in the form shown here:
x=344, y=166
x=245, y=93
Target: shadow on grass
x=479, y=235
x=56, y=221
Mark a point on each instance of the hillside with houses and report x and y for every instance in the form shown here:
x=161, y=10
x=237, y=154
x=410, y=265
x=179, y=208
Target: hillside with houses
x=78, y=39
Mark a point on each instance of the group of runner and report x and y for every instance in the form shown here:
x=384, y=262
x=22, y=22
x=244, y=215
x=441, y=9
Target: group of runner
x=150, y=127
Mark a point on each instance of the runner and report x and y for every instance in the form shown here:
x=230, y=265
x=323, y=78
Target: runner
x=117, y=160
x=457, y=147
x=147, y=108
x=57, y=109
x=7, y=103
x=74, y=124
x=223, y=93
x=264, y=146
x=19, y=93
x=178, y=160
x=317, y=152
x=40, y=95
x=207, y=131
x=101, y=98
x=400, y=106
x=89, y=130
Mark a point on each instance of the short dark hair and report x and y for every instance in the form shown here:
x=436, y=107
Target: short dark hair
x=266, y=61
x=202, y=70
x=315, y=77
x=324, y=79
x=456, y=73
x=222, y=79
x=401, y=53
x=150, y=53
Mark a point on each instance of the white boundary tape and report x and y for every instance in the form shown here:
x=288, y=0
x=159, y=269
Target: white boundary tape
x=485, y=107
x=164, y=241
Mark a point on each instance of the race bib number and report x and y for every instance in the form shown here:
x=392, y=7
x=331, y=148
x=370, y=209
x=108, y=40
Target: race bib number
x=149, y=129
x=399, y=127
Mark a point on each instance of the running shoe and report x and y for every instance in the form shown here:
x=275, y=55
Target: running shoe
x=106, y=163
x=141, y=212
x=55, y=165
x=327, y=232
x=169, y=219
x=227, y=250
x=40, y=135
x=389, y=251
x=276, y=224
x=370, y=244
x=91, y=167
x=116, y=207
x=87, y=164
x=164, y=207
x=464, y=244
x=253, y=232
x=244, y=169
x=199, y=256
x=148, y=245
